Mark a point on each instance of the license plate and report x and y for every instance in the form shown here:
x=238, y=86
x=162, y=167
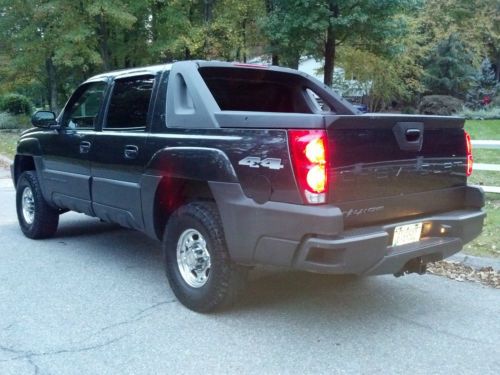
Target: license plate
x=405, y=234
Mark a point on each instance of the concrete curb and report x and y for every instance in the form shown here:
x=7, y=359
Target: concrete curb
x=475, y=262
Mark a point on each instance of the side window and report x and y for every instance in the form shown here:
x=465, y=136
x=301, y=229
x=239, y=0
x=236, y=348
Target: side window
x=129, y=103
x=83, y=108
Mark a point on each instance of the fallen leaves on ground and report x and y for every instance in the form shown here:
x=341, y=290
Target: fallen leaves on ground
x=4, y=164
x=460, y=272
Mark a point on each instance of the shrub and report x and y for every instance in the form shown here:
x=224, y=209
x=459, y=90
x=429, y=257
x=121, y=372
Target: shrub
x=16, y=104
x=8, y=121
x=442, y=105
x=489, y=113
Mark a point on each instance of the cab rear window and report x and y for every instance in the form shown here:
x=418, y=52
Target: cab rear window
x=256, y=90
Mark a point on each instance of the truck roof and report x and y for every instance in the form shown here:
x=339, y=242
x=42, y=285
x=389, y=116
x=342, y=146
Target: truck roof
x=154, y=69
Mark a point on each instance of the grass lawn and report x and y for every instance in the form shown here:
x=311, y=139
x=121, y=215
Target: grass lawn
x=487, y=178
x=484, y=130
x=488, y=243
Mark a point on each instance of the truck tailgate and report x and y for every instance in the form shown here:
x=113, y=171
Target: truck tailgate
x=387, y=167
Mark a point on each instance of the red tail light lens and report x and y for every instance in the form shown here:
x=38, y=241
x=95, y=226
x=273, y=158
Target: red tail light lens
x=470, y=159
x=308, y=150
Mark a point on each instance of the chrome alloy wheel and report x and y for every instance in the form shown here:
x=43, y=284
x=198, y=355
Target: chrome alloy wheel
x=193, y=258
x=28, y=205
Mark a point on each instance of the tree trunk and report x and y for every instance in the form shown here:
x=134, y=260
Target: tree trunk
x=497, y=73
x=156, y=9
x=103, y=43
x=329, y=57
x=292, y=62
x=207, y=10
x=275, y=60
x=244, y=28
x=207, y=18
x=330, y=47
x=51, y=85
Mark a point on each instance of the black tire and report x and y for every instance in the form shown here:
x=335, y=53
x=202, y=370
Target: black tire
x=225, y=279
x=45, y=218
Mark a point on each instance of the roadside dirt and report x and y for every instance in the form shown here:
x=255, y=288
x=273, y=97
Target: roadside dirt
x=459, y=272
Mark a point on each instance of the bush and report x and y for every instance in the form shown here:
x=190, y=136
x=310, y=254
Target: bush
x=489, y=113
x=16, y=104
x=408, y=110
x=442, y=105
x=8, y=121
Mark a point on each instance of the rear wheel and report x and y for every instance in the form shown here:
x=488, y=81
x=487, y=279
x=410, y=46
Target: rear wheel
x=36, y=218
x=199, y=269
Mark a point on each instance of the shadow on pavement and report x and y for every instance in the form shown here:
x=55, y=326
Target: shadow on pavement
x=111, y=247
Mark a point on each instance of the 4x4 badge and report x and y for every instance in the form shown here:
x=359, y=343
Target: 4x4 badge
x=256, y=162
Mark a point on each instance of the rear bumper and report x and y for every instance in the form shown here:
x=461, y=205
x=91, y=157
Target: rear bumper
x=368, y=251
x=312, y=238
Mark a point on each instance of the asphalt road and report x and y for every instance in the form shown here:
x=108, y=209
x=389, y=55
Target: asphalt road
x=94, y=300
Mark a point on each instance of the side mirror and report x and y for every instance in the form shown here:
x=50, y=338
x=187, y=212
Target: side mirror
x=44, y=119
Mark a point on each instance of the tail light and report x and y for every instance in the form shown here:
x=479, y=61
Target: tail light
x=308, y=150
x=470, y=159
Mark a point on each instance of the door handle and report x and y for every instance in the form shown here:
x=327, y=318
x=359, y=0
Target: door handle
x=131, y=152
x=85, y=147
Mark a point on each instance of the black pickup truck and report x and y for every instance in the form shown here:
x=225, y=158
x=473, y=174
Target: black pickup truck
x=234, y=165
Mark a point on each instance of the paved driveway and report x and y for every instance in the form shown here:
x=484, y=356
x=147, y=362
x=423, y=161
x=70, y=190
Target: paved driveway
x=94, y=300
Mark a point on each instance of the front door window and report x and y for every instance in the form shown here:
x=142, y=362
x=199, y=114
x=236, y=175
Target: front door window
x=83, y=109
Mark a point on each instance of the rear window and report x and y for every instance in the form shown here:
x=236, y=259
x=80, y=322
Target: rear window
x=256, y=90
x=129, y=104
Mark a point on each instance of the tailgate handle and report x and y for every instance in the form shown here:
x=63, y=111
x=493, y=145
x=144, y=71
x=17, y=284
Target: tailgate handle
x=409, y=135
x=412, y=135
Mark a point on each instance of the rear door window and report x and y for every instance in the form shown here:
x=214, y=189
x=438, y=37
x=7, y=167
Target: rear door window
x=129, y=104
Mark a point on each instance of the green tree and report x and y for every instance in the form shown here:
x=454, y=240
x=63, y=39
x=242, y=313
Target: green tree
x=207, y=29
x=234, y=32
x=177, y=30
x=448, y=69
x=484, y=84
x=297, y=27
x=475, y=22
x=381, y=78
x=488, y=24
x=48, y=48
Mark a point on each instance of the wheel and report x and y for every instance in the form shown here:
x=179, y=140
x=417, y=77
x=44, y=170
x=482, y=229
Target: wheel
x=199, y=269
x=36, y=218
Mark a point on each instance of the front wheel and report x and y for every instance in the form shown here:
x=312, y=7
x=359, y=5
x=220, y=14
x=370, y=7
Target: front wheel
x=199, y=269
x=36, y=218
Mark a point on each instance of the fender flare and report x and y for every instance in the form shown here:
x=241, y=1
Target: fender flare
x=192, y=163
x=200, y=164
